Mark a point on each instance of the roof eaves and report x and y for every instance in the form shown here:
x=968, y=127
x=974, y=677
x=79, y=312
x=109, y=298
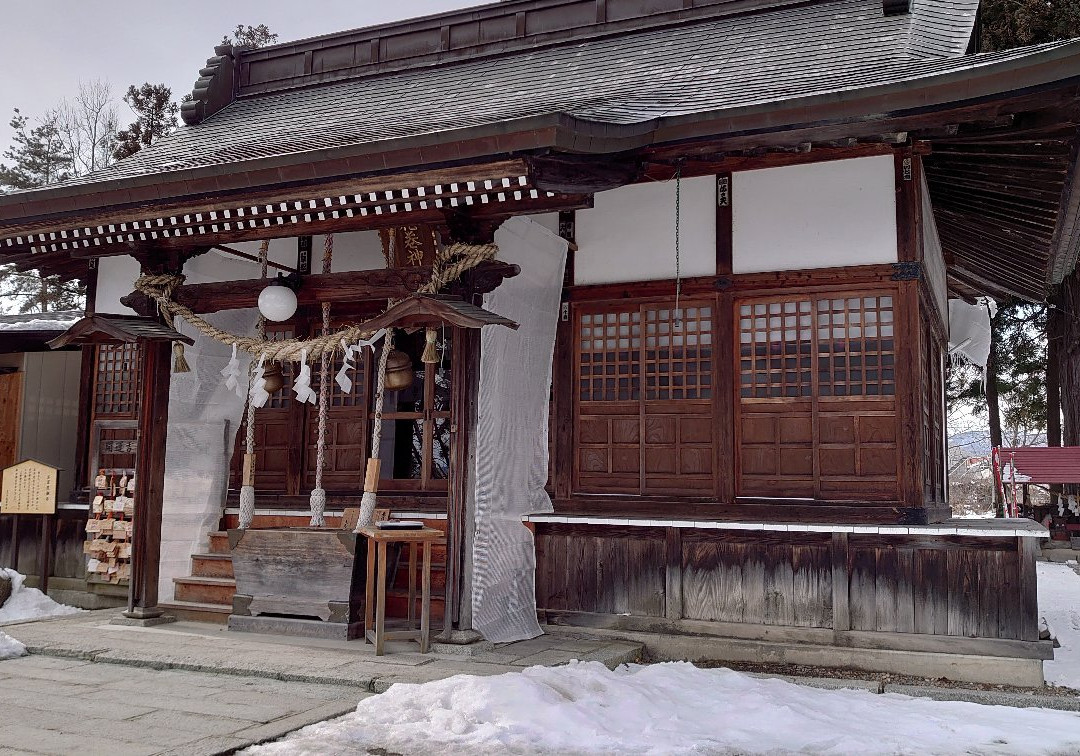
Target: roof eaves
x=939, y=84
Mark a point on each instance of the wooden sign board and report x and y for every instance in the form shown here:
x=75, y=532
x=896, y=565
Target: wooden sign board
x=29, y=488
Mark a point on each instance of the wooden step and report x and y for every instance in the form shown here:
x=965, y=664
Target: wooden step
x=219, y=542
x=194, y=611
x=211, y=565
x=205, y=590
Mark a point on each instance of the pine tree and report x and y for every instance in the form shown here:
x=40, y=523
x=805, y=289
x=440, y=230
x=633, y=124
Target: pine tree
x=250, y=36
x=38, y=158
x=1004, y=24
x=155, y=116
x=38, y=155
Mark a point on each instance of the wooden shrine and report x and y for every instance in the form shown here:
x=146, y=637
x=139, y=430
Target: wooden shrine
x=747, y=435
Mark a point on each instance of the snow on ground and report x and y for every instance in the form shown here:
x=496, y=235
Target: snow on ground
x=10, y=648
x=29, y=603
x=1059, y=607
x=674, y=708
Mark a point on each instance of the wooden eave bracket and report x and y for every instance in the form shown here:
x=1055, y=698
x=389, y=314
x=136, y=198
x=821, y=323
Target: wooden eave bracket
x=101, y=328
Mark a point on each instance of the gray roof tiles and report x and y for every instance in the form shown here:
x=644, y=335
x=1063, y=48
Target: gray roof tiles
x=627, y=79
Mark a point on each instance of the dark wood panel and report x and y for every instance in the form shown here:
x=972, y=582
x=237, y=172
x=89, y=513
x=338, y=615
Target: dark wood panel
x=960, y=587
x=609, y=571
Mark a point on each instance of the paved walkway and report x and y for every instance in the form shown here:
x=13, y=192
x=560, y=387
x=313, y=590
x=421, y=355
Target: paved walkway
x=189, y=688
x=65, y=706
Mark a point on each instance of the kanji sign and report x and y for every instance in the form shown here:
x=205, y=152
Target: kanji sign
x=28, y=488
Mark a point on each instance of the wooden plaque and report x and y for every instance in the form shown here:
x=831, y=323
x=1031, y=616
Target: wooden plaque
x=29, y=488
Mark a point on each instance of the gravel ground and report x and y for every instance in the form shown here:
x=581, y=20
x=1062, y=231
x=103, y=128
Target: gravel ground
x=803, y=670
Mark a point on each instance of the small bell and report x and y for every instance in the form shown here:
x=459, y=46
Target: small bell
x=274, y=378
x=399, y=371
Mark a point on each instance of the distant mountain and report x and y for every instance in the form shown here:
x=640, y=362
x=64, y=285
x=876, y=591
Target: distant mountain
x=969, y=444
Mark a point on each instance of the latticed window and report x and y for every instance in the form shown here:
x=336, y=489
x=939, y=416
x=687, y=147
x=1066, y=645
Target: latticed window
x=610, y=350
x=678, y=353
x=116, y=384
x=855, y=346
x=775, y=346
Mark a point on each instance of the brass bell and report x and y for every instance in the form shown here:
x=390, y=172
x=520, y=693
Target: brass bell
x=274, y=378
x=399, y=371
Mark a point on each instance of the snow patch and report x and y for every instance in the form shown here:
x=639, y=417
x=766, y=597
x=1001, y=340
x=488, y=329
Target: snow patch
x=1059, y=609
x=674, y=708
x=10, y=648
x=38, y=324
x=29, y=603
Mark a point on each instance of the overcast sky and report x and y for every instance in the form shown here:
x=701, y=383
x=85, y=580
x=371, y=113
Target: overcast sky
x=48, y=46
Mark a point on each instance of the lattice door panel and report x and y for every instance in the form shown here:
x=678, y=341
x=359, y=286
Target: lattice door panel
x=776, y=453
x=609, y=451
x=116, y=381
x=816, y=385
x=645, y=376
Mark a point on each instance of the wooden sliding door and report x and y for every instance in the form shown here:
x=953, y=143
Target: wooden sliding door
x=645, y=374
x=816, y=403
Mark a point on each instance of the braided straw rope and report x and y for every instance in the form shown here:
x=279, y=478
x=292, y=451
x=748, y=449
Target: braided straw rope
x=317, y=499
x=247, y=487
x=450, y=264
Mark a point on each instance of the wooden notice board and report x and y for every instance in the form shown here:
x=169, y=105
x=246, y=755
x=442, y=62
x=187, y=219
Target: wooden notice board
x=29, y=488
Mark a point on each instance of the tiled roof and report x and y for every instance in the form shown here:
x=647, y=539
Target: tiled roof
x=626, y=80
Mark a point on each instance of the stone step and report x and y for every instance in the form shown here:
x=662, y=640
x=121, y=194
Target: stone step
x=211, y=565
x=205, y=590
x=195, y=611
x=219, y=542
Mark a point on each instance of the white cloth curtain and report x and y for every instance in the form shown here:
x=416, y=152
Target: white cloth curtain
x=512, y=431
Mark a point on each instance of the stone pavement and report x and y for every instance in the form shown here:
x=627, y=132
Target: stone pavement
x=92, y=687
x=54, y=705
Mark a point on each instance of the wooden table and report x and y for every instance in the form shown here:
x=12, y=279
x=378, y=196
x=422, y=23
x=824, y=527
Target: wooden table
x=375, y=595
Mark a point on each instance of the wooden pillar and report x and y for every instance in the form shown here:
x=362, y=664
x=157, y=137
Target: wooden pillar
x=149, y=480
x=907, y=332
x=465, y=382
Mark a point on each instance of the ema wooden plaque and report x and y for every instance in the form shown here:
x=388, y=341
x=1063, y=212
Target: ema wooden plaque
x=29, y=488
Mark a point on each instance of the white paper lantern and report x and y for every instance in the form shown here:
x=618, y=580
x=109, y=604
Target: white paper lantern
x=277, y=302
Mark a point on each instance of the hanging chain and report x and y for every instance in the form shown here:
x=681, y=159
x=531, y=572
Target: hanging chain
x=677, y=314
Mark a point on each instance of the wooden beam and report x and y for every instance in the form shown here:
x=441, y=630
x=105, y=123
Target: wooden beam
x=582, y=174
x=254, y=258
x=381, y=283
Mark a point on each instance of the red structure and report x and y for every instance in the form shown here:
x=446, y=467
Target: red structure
x=1035, y=464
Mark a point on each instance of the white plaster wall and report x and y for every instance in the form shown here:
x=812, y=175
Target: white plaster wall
x=816, y=215
x=358, y=250
x=116, y=278
x=629, y=233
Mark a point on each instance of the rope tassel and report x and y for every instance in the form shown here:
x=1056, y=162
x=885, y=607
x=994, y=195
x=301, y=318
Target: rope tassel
x=180, y=364
x=431, y=354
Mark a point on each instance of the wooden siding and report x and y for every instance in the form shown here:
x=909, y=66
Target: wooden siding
x=851, y=584
x=50, y=412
